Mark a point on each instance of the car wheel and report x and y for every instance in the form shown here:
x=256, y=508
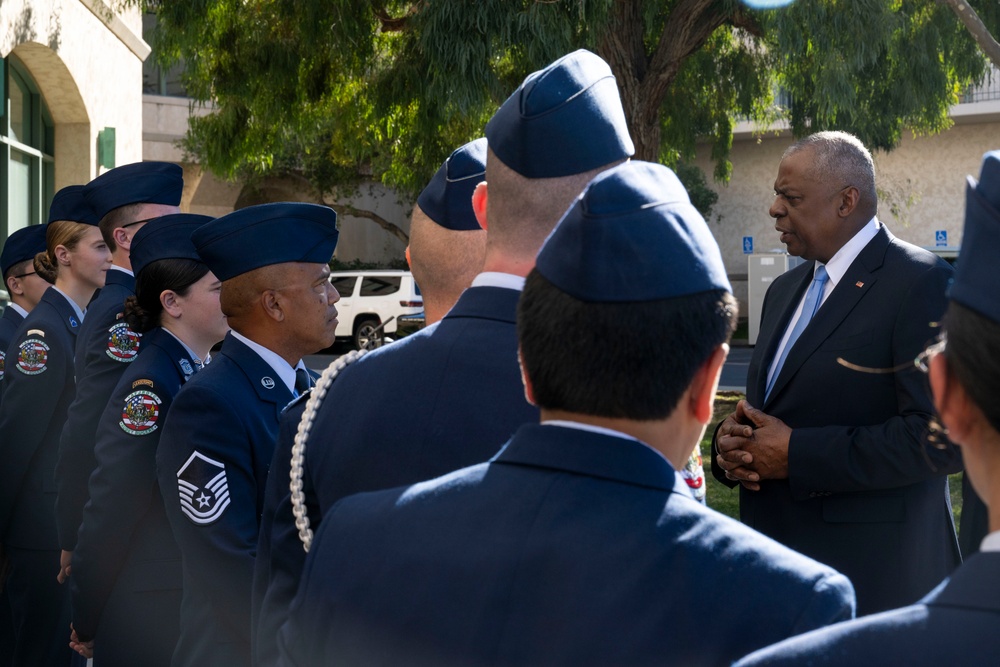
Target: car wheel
x=367, y=335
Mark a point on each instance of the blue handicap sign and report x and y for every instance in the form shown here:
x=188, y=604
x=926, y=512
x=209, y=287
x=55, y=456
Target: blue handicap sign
x=941, y=237
x=747, y=245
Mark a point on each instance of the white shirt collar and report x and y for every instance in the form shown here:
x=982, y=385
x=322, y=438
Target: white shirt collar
x=79, y=311
x=194, y=357
x=17, y=309
x=842, y=260
x=602, y=430
x=991, y=542
x=497, y=279
x=281, y=367
x=115, y=267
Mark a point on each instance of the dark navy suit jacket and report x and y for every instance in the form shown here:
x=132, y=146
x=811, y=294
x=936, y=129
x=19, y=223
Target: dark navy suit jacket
x=37, y=387
x=435, y=401
x=105, y=348
x=955, y=625
x=569, y=548
x=865, y=494
x=212, y=465
x=126, y=579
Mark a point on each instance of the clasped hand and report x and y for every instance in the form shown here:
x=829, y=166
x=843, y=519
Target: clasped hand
x=752, y=446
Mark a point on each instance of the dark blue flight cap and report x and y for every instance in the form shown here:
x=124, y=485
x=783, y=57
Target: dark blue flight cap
x=565, y=119
x=267, y=234
x=975, y=273
x=632, y=236
x=166, y=237
x=136, y=183
x=21, y=246
x=70, y=204
x=447, y=199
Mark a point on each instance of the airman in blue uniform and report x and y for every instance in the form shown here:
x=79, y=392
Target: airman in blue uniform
x=578, y=543
x=38, y=387
x=126, y=572
x=464, y=397
x=123, y=199
x=216, y=448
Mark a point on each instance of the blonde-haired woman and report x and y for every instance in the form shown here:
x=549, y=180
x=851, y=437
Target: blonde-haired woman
x=37, y=389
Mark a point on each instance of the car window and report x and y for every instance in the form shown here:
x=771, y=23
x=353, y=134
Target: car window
x=344, y=284
x=380, y=285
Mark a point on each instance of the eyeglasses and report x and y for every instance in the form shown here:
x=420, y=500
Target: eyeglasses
x=24, y=275
x=922, y=362
x=139, y=222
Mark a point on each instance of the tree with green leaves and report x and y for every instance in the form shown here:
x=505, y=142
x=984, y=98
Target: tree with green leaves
x=336, y=91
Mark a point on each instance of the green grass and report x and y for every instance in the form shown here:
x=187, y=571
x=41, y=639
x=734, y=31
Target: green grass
x=727, y=501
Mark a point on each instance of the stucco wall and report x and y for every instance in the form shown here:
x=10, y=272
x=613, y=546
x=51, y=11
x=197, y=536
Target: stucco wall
x=87, y=62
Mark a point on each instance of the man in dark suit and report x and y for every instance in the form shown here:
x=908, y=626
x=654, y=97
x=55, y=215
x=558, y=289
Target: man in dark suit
x=957, y=622
x=455, y=387
x=578, y=543
x=213, y=456
x=831, y=444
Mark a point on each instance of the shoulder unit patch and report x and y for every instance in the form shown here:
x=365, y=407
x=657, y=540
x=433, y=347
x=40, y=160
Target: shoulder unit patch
x=203, y=489
x=123, y=343
x=142, y=409
x=32, y=355
x=3, y=363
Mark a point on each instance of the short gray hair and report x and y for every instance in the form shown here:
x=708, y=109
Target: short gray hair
x=841, y=156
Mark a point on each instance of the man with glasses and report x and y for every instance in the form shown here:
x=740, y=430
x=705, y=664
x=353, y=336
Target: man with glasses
x=123, y=199
x=831, y=446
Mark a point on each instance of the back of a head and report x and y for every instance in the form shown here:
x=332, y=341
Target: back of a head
x=972, y=321
x=628, y=298
x=842, y=160
x=561, y=127
x=447, y=245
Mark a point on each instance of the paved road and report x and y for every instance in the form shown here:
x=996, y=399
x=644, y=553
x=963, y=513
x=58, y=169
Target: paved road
x=734, y=373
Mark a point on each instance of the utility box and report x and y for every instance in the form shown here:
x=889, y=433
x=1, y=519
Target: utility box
x=762, y=269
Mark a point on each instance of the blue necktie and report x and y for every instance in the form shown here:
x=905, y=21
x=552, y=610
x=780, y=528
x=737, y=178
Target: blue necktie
x=813, y=299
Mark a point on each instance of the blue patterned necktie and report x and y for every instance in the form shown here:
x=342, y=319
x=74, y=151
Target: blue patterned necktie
x=302, y=381
x=813, y=299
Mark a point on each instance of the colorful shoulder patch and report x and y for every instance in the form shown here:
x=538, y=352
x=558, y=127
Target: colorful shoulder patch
x=3, y=363
x=203, y=489
x=32, y=355
x=141, y=412
x=123, y=343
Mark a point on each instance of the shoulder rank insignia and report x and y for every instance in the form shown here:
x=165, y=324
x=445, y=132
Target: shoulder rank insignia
x=32, y=356
x=142, y=409
x=203, y=489
x=123, y=343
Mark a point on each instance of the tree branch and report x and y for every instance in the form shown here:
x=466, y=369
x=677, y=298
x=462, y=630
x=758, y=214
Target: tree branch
x=394, y=23
x=968, y=16
x=347, y=209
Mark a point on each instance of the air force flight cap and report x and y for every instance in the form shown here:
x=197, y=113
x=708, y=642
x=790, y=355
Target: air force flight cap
x=21, y=246
x=70, y=204
x=975, y=273
x=136, y=183
x=632, y=236
x=447, y=199
x=267, y=234
x=166, y=237
x=565, y=119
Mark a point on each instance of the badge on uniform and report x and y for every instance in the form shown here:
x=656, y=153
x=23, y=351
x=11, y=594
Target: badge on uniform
x=203, y=489
x=123, y=343
x=3, y=363
x=32, y=355
x=142, y=409
x=186, y=367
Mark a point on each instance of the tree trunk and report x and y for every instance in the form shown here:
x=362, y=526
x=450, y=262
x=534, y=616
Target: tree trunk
x=970, y=19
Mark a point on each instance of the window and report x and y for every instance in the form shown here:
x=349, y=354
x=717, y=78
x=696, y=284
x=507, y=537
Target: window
x=27, y=139
x=379, y=285
x=344, y=284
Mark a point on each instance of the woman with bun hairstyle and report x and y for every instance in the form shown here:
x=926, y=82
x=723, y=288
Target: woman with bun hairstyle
x=37, y=389
x=956, y=623
x=126, y=569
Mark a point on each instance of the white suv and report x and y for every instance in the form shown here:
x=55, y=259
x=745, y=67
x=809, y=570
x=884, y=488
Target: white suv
x=370, y=302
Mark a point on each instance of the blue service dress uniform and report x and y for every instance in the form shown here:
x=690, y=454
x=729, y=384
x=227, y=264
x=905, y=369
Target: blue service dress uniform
x=9, y=322
x=106, y=347
x=38, y=388
x=569, y=548
x=443, y=398
x=212, y=465
x=126, y=583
